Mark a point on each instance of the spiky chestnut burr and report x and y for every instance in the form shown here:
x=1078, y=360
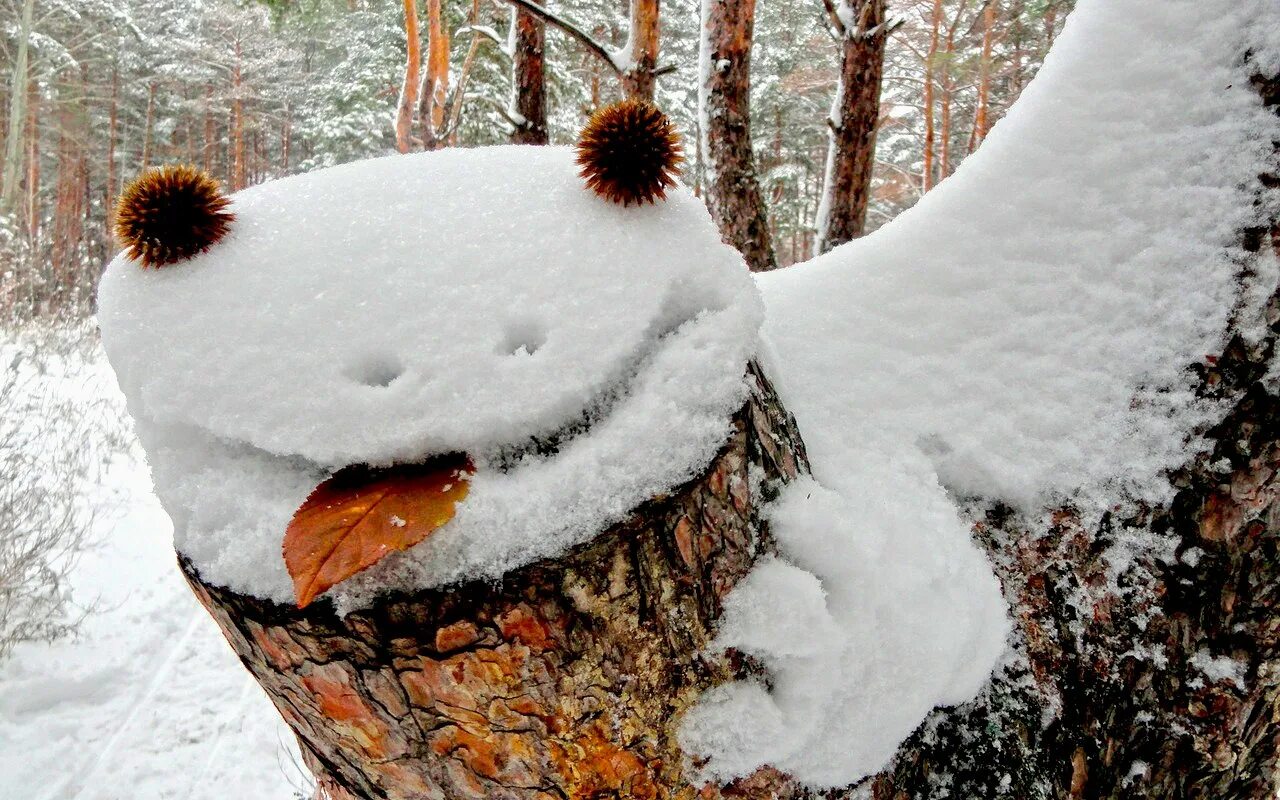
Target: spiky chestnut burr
x=169, y=214
x=629, y=152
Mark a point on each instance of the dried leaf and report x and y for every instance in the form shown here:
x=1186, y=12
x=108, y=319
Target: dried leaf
x=359, y=515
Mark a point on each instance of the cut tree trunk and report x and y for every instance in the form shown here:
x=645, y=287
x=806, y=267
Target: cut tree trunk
x=733, y=189
x=567, y=680
x=1162, y=681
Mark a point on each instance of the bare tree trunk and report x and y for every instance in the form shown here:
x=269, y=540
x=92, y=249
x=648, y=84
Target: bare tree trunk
x=948, y=91
x=855, y=118
x=11, y=169
x=207, y=149
x=1168, y=684
x=724, y=92
x=930, y=62
x=113, y=121
x=33, y=166
x=237, y=125
x=529, y=80
x=566, y=680
x=409, y=86
x=148, y=125
x=981, y=121
x=639, y=78
x=435, y=80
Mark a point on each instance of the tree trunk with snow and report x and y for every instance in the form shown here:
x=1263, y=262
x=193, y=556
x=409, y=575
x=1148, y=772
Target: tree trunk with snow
x=566, y=680
x=1168, y=687
x=855, y=118
x=733, y=190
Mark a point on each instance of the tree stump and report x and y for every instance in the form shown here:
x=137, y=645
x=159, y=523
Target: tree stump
x=567, y=680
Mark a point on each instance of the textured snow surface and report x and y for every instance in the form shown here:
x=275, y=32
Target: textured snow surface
x=1023, y=333
x=387, y=310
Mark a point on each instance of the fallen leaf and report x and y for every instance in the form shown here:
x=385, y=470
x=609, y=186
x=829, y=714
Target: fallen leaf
x=359, y=515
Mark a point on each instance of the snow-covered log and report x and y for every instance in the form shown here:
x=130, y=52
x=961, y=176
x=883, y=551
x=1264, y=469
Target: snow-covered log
x=566, y=679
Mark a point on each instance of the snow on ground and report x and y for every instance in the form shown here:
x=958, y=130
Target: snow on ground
x=1023, y=333
x=148, y=702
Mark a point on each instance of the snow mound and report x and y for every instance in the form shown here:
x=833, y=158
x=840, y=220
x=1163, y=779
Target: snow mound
x=1024, y=332
x=1030, y=322
x=464, y=300
x=885, y=611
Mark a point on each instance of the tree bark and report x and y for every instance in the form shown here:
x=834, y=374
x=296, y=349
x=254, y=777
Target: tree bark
x=409, y=85
x=930, y=62
x=567, y=680
x=855, y=118
x=435, y=80
x=11, y=167
x=981, y=121
x=733, y=189
x=1123, y=689
x=640, y=76
x=529, y=80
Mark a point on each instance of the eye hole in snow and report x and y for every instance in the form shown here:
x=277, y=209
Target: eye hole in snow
x=377, y=372
x=522, y=338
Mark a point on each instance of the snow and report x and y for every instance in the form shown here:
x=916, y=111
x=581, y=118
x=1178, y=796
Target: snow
x=147, y=701
x=1029, y=323
x=1024, y=333
x=391, y=309
x=885, y=611
x=1220, y=668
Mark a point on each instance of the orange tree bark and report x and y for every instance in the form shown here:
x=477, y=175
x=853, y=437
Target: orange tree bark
x=528, y=71
x=566, y=680
x=733, y=188
x=409, y=85
x=855, y=118
x=930, y=63
x=639, y=78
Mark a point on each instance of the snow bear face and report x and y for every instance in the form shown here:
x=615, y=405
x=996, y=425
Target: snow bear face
x=389, y=310
x=393, y=308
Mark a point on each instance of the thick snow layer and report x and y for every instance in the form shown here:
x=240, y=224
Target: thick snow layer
x=1024, y=333
x=463, y=300
x=1030, y=321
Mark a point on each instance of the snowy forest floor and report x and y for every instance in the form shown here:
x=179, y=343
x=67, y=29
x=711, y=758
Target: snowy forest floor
x=147, y=701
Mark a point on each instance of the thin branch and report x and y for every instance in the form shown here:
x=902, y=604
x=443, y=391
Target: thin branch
x=607, y=55
x=488, y=33
x=834, y=15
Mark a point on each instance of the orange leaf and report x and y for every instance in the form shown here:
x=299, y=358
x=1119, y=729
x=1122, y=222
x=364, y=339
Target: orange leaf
x=359, y=515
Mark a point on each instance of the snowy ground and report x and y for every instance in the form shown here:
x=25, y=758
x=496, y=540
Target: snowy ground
x=148, y=702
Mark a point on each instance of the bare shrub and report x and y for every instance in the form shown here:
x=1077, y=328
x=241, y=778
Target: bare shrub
x=59, y=426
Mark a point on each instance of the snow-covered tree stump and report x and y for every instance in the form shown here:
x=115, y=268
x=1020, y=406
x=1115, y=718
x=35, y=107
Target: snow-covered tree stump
x=566, y=680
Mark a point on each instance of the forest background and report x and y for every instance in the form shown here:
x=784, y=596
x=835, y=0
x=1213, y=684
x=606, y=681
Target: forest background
x=96, y=91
